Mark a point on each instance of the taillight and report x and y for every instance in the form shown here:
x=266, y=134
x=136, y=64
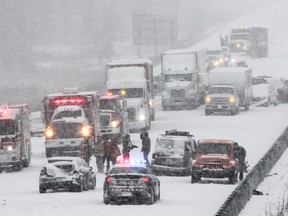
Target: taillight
x=146, y=179
x=108, y=179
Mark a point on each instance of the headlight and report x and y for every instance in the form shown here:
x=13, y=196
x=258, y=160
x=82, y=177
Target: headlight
x=216, y=63
x=86, y=131
x=151, y=103
x=142, y=117
x=238, y=45
x=49, y=133
x=9, y=148
x=232, y=100
x=245, y=48
x=208, y=99
x=115, y=123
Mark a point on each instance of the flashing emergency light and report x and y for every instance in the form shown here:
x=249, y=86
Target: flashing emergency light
x=85, y=131
x=72, y=101
x=151, y=103
x=127, y=161
x=49, y=133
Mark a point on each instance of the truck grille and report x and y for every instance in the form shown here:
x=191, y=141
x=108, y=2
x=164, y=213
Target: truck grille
x=213, y=165
x=131, y=113
x=176, y=93
x=220, y=100
x=105, y=119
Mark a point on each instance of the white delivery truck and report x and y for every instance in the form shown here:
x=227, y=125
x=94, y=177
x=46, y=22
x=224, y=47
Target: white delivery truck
x=229, y=88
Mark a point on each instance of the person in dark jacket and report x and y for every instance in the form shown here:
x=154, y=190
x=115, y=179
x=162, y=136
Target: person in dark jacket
x=146, y=146
x=111, y=152
x=127, y=147
x=240, y=154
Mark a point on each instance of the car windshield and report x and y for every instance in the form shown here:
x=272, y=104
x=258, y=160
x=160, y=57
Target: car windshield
x=221, y=90
x=214, y=149
x=178, y=77
x=108, y=104
x=7, y=127
x=66, y=167
x=118, y=170
x=170, y=147
x=129, y=93
x=68, y=114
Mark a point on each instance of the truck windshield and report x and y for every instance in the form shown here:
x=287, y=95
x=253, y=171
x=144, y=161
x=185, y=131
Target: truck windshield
x=7, y=127
x=108, y=105
x=67, y=130
x=240, y=37
x=178, y=77
x=129, y=93
x=68, y=114
x=221, y=90
x=214, y=149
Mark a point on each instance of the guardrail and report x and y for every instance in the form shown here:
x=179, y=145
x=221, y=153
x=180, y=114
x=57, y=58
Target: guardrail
x=236, y=201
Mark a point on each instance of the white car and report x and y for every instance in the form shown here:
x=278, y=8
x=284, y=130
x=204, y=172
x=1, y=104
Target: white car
x=36, y=124
x=66, y=173
x=265, y=94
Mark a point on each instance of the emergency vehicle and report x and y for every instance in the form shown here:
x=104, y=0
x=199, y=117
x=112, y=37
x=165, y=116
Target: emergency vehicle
x=72, y=122
x=113, y=115
x=131, y=180
x=15, y=145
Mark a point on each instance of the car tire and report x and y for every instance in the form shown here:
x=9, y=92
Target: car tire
x=151, y=199
x=91, y=184
x=18, y=167
x=106, y=199
x=42, y=190
x=233, y=178
x=79, y=188
x=194, y=179
x=27, y=162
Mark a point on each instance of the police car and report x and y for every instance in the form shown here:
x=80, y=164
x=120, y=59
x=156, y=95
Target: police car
x=131, y=181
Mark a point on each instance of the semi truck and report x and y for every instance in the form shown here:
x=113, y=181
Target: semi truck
x=252, y=41
x=15, y=142
x=229, y=89
x=72, y=123
x=133, y=80
x=184, y=78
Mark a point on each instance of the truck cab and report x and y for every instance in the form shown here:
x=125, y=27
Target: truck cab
x=113, y=115
x=15, y=143
x=215, y=159
x=133, y=80
x=222, y=98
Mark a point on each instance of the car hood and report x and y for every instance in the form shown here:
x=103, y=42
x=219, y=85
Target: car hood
x=220, y=95
x=213, y=157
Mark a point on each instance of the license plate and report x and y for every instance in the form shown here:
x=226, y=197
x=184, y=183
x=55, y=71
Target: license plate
x=126, y=182
x=126, y=194
x=169, y=160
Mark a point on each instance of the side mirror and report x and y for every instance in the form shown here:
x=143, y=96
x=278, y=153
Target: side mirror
x=90, y=168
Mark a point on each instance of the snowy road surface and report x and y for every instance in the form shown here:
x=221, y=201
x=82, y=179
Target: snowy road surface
x=256, y=130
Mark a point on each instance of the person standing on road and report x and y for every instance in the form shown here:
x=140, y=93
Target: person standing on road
x=127, y=147
x=146, y=146
x=240, y=154
x=99, y=154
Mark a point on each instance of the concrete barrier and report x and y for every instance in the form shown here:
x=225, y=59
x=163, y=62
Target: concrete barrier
x=237, y=200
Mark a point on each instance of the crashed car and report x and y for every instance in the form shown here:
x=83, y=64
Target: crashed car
x=264, y=95
x=173, y=153
x=215, y=158
x=37, y=127
x=131, y=181
x=66, y=173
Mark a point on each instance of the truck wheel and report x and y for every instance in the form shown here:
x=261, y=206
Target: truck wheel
x=18, y=166
x=246, y=107
x=42, y=189
x=233, y=178
x=207, y=112
x=27, y=162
